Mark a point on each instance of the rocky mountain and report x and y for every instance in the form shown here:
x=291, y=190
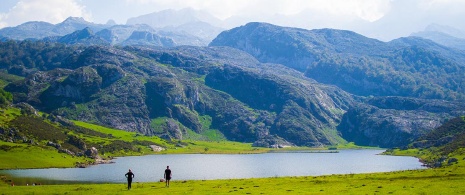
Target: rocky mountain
x=357, y=64
x=196, y=33
x=40, y=30
x=119, y=33
x=448, y=137
x=85, y=37
x=395, y=121
x=278, y=86
x=171, y=92
x=147, y=38
x=411, y=72
x=28, y=30
x=73, y=24
x=174, y=92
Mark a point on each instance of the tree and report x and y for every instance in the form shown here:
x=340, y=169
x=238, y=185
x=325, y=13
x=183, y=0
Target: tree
x=5, y=98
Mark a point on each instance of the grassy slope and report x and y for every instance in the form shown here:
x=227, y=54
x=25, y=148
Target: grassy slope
x=6, y=78
x=19, y=155
x=447, y=180
x=22, y=155
x=192, y=146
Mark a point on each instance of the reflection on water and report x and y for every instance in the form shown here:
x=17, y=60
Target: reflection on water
x=222, y=166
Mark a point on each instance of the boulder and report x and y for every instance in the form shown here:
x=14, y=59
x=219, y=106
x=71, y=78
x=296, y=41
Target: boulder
x=156, y=148
x=53, y=144
x=92, y=153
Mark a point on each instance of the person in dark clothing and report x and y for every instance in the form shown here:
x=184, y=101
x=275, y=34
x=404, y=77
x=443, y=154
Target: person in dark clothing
x=167, y=176
x=129, y=175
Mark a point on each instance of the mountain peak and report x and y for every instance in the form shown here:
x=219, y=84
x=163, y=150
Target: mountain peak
x=85, y=36
x=111, y=22
x=75, y=20
x=446, y=29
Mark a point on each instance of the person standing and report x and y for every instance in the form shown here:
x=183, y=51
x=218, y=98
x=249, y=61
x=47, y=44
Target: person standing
x=129, y=175
x=167, y=176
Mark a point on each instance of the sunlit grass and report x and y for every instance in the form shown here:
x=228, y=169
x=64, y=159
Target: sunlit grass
x=187, y=146
x=22, y=155
x=9, y=114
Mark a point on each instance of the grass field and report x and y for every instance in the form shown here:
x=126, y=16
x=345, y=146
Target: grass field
x=15, y=156
x=447, y=180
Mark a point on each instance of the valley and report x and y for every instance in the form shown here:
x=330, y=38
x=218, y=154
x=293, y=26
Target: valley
x=76, y=94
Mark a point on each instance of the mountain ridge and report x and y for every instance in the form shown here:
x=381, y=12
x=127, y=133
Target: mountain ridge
x=354, y=62
x=114, y=34
x=333, y=86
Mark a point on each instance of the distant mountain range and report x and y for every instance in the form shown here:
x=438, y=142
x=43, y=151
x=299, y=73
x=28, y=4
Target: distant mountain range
x=197, y=23
x=165, y=28
x=259, y=83
x=443, y=35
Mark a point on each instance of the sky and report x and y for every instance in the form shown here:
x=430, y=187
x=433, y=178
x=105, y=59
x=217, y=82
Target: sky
x=381, y=19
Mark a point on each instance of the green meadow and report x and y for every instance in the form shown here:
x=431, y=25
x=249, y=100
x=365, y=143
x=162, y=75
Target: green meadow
x=17, y=156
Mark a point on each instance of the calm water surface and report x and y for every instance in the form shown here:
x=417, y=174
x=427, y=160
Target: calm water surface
x=225, y=166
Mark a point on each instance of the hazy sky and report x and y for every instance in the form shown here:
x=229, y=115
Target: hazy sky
x=382, y=19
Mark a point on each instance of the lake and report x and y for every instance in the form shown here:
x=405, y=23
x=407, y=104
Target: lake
x=223, y=166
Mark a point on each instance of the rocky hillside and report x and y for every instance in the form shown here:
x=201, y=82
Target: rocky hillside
x=448, y=138
x=409, y=67
x=395, y=121
x=173, y=92
x=403, y=89
x=401, y=79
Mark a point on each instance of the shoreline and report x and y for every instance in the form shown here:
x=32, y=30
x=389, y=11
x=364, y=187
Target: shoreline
x=91, y=180
x=289, y=150
x=425, y=181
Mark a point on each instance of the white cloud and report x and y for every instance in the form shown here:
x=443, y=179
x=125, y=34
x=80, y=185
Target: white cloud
x=53, y=11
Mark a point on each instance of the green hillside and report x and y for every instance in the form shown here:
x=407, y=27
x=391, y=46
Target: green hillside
x=446, y=179
x=49, y=141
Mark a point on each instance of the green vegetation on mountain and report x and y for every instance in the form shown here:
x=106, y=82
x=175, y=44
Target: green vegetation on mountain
x=395, y=121
x=403, y=82
x=440, y=146
x=57, y=142
x=130, y=88
x=5, y=98
x=169, y=92
x=409, y=67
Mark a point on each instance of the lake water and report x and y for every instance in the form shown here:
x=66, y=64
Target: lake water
x=224, y=166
